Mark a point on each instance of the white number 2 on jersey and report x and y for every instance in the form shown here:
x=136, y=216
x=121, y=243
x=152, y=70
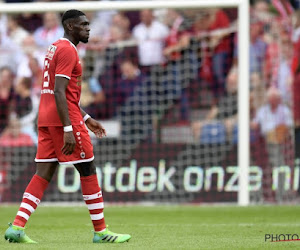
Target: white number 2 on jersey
x=46, y=74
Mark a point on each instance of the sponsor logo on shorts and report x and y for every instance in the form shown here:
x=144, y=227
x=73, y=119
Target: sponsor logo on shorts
x=82, y=155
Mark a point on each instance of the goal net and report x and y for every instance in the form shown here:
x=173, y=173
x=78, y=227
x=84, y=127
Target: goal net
x=164, y=81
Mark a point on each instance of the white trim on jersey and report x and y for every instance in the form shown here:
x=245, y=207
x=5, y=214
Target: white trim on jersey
x=65, y=76
x=66, y=39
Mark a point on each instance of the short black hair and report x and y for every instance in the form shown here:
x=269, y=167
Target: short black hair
x=71, y=14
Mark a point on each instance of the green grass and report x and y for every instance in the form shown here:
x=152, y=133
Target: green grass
x=161, y=227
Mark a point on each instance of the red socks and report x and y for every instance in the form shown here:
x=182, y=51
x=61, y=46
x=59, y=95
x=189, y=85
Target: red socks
x=92, y=196
x=31, y=199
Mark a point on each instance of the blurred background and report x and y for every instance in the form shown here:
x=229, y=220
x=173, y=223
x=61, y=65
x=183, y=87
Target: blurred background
x=164, y=83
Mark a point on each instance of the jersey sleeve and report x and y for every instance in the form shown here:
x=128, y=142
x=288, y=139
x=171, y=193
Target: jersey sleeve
x=65, y=62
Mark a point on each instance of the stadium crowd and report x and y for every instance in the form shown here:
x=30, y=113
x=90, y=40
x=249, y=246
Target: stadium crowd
x=181, y=65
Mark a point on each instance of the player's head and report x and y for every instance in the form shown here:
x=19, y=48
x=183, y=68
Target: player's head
x=76, y=25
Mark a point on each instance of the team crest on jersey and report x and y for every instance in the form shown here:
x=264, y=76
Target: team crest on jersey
x=51, y=51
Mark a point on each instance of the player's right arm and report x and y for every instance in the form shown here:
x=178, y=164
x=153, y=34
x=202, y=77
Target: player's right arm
x=61, y=84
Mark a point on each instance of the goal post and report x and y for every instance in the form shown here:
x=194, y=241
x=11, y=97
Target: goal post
x=243, y=103
x=243, y=57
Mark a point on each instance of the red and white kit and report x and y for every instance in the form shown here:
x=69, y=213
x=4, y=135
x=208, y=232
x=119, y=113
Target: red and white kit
x=62, y=60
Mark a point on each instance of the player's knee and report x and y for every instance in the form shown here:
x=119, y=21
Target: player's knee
x=88, y=171
x=86, y=168
x=46, y=170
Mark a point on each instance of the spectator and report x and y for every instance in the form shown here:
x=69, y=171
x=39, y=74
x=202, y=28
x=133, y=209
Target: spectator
x=296, y=42
x=216, y=52
x=3, y=26
x=261, y=12
x=131, y=77
x=98, y=32
x=92, y=95
x=13, y=137
x=296, y=76
x=225, y=111
x=274, y=120
x=258, y=89
x=150, y=35
x=6, y=95
x=27, y=104
x=105, y=16
x=199, y=29
x=115, y=34
x=284, y=78
x=261, y=8
x=50, y=31
x=16, y=33
x=283, y=7
x=30, y=21
x=296, y=27
x=274, y=55
x=220, y=48
x=296, y=4
x=31, y=64
x=181, y=61
x=100, y=21
x=9, y=52
x=257, y=47
x=102, y=40
x=178, y=38
x=122, y=21
x=36, y=74
x=138, y=100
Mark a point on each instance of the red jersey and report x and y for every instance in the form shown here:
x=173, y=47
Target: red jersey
x=61, y=60
x=174, y=36
x=221, y=21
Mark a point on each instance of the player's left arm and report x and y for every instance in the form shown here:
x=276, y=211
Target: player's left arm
x=93, y=125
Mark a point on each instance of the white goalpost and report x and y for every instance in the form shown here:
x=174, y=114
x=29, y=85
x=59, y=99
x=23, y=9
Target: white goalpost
x=243, y=57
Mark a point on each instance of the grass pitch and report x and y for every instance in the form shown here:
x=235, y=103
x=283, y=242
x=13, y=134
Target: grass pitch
x=160, y=227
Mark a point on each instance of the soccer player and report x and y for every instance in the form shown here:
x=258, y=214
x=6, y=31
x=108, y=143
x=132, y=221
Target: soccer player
x=62, y=136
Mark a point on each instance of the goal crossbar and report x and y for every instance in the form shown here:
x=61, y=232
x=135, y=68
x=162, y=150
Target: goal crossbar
x=116, y=5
